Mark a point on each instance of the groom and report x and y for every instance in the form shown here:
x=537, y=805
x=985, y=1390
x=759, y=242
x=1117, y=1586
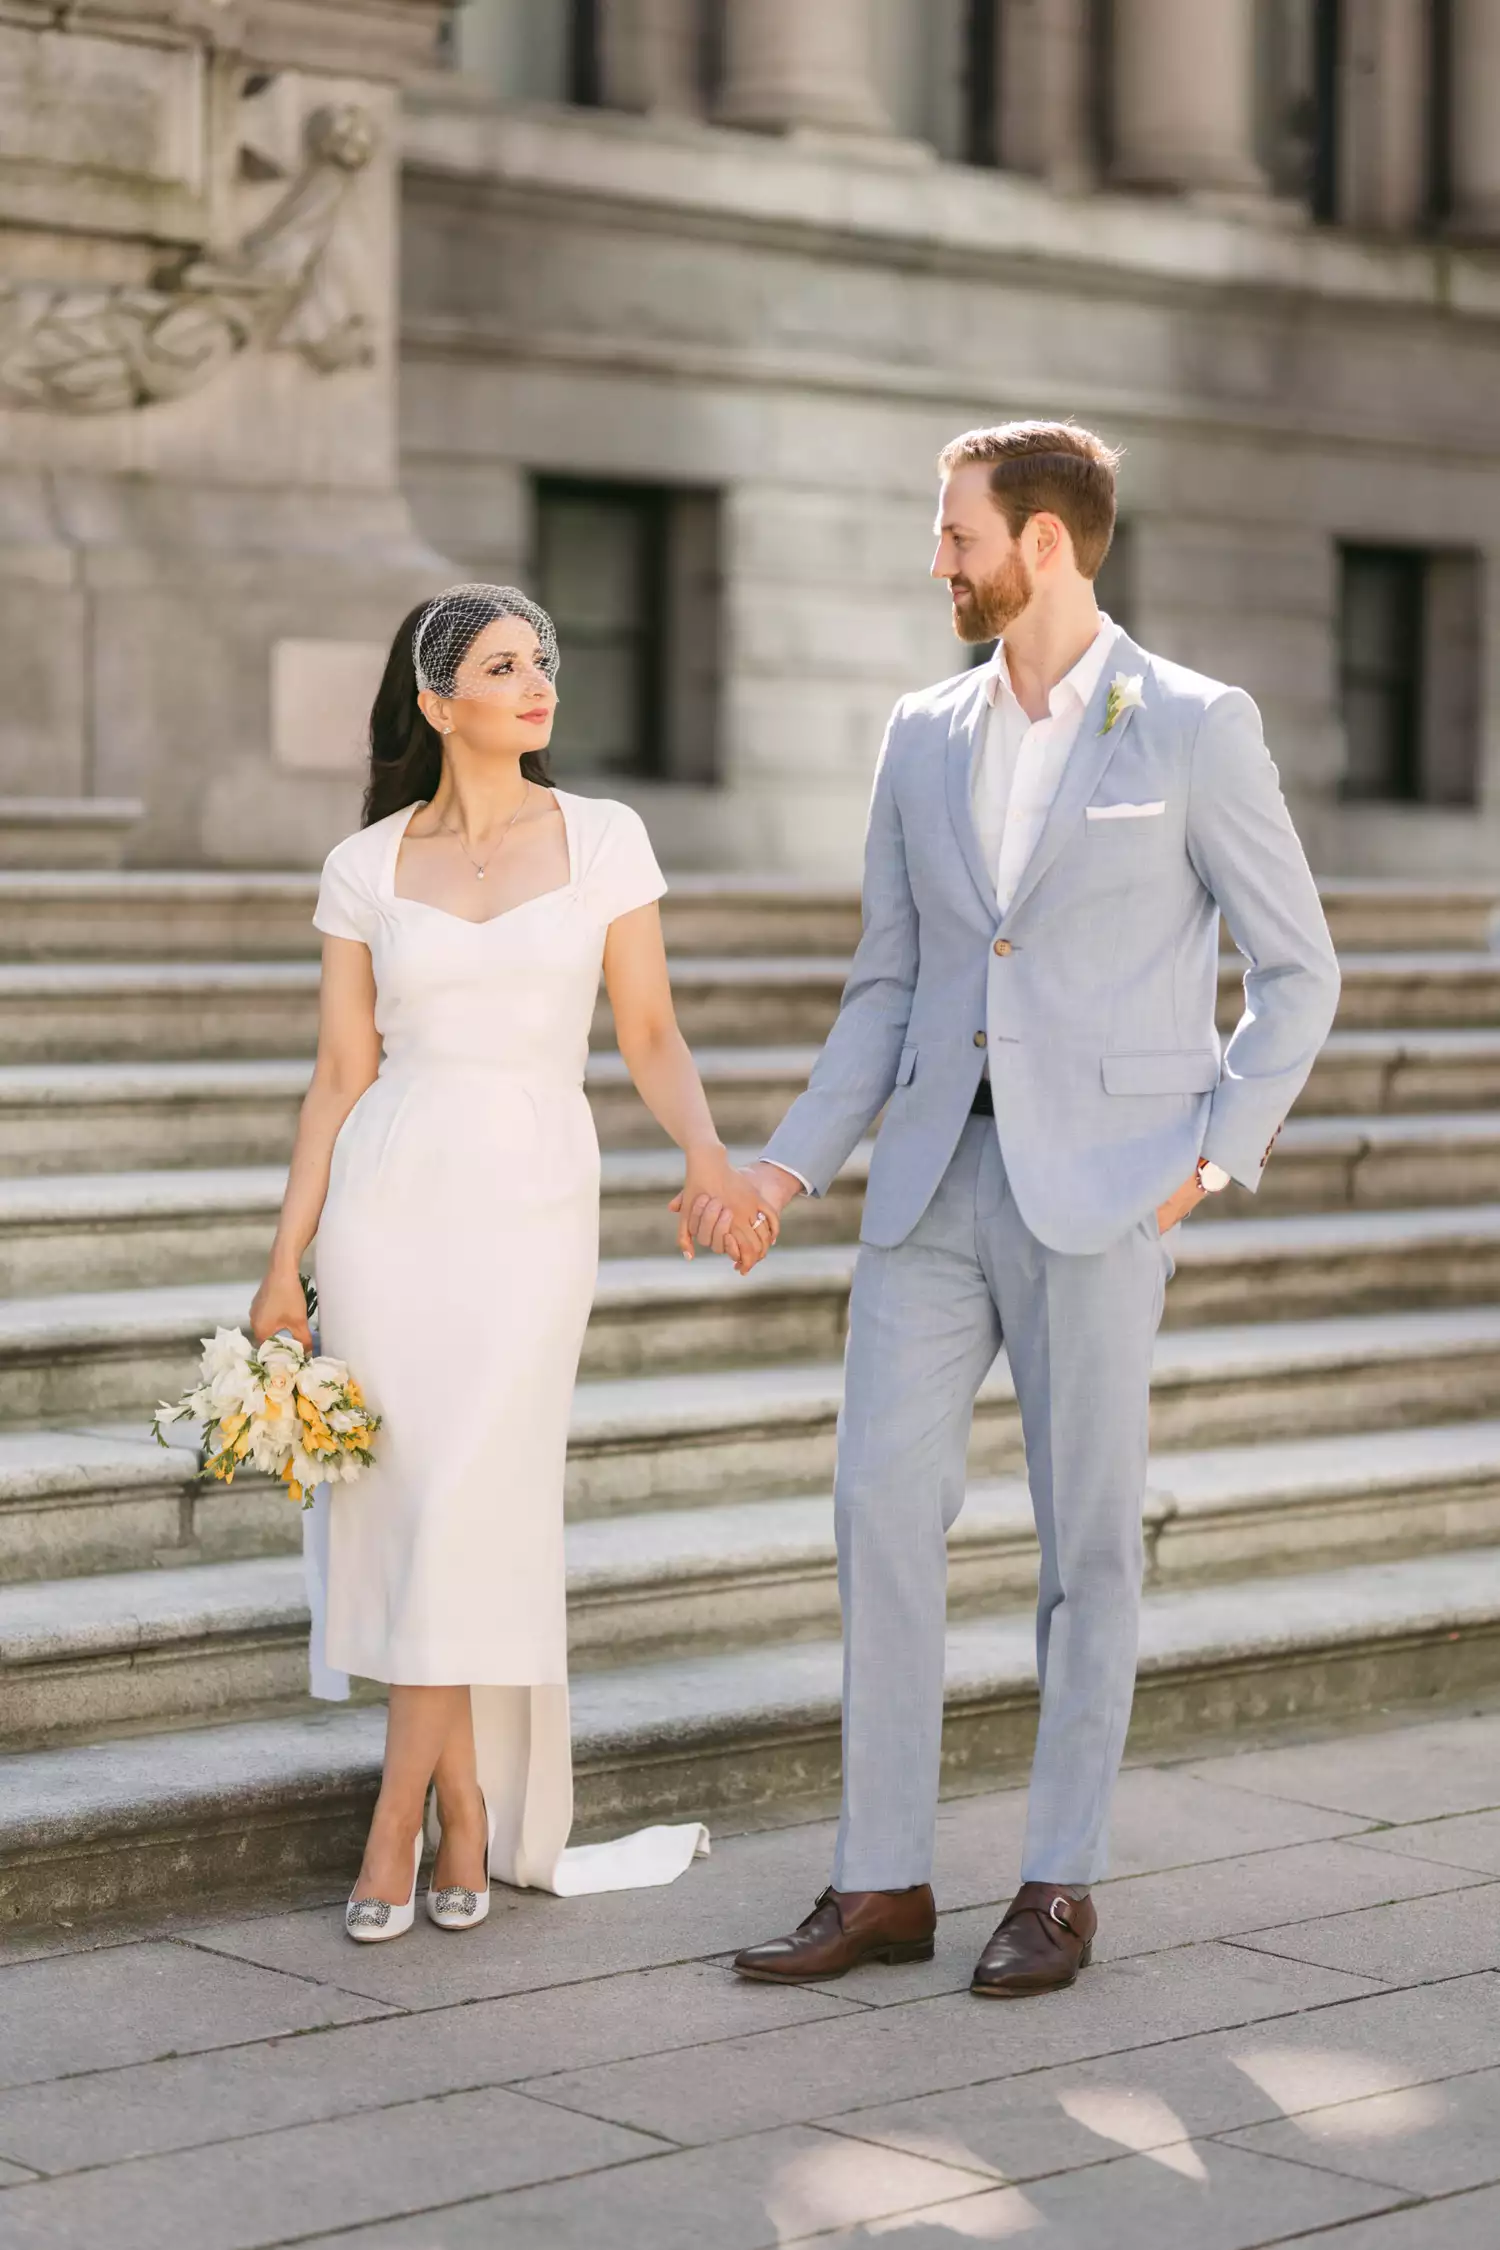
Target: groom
x=1052, y=839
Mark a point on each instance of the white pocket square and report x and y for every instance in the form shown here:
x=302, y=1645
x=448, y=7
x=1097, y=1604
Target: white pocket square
x=1124, y=812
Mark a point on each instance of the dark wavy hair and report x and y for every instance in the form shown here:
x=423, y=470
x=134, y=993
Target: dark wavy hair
x=406, y=754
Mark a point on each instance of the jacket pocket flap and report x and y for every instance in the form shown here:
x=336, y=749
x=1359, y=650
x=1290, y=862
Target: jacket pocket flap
x=906, y=1068
x=1183, y=1070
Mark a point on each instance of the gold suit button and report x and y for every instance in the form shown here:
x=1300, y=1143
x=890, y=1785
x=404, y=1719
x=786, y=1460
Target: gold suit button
x=1002, y=946
x=980, y=1040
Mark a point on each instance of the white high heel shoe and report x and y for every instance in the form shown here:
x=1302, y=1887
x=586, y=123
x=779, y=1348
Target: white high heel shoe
x=370, y=1921
x=456, y=1908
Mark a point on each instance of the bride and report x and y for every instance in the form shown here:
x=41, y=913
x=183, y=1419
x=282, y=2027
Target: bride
x=446, y=1162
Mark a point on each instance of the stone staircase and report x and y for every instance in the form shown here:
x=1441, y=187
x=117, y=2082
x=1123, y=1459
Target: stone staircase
x=1323, y=1524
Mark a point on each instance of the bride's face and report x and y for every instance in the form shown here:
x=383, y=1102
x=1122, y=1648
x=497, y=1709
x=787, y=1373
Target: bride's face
x=504, y=702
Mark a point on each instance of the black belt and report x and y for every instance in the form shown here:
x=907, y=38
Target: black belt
x=983, y=1104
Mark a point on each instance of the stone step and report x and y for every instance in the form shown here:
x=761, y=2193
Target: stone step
x=170, y=1645
x=1367, y=915
x=128, y=1230
x=150, y=1647
x=77, y=1501
x=193, y=915
x=178, y=1011
x=85, y=1354
x=66, y=832
x=80, y=1117
x=58, y=903
x=180, y=1817
x=202, y=1011
x=84, y=1116
x=662, y=1441
x=105, y=1497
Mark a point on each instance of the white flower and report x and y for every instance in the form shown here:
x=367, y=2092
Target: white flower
x=225, y=1350
x=279, y=1385
x=233, y=1391
x=267, y=1450
x=1126, y=693
x=308, y=1472
x=321, y=1380
x=281, y=1353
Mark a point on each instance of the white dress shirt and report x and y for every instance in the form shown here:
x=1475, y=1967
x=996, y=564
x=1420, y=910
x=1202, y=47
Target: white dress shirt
x=1021, y=760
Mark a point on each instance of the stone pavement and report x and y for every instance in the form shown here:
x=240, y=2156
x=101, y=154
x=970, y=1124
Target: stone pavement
x=1291, y=2034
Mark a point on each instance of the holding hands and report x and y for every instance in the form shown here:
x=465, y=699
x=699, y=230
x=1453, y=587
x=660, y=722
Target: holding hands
x=737, y=1213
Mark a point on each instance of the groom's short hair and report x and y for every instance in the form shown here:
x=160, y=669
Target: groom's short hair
x=1046, y=468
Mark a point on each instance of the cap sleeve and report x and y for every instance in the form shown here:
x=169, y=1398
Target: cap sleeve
x=346, y=903
x=624, y=874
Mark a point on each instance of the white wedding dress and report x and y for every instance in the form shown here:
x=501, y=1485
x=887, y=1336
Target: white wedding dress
x=456, y=1262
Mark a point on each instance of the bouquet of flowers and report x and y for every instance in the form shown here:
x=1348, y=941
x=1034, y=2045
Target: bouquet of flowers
x=290, y=1413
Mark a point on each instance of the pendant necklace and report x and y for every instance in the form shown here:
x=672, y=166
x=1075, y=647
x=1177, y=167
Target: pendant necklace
x=479, y=865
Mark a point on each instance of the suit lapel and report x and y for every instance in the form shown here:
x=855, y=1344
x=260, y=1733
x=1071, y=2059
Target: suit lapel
x=1090, y=754
x=965, y=734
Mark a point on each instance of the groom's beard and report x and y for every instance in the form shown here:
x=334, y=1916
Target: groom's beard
x=981, y=612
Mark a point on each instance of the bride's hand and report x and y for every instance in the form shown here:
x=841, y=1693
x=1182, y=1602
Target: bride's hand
x=279, y=1303
x=718, y=1207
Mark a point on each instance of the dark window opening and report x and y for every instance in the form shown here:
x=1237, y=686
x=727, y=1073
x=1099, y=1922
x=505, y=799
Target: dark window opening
x=1409, y=658
x=1440, y=66
x=1323, y=124
x=631, y=577
x=711, y=34
x=585, y=74
x=982, y=82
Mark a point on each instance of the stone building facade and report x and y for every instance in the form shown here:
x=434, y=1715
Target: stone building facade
x=691, y=292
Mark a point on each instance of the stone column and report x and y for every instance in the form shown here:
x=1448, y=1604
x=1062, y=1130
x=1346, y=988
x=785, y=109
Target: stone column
x=1182, y=113
x=1475, y=153
x=1046, y=91
x=801, y=63
x=649, y=56
x=1384, y=97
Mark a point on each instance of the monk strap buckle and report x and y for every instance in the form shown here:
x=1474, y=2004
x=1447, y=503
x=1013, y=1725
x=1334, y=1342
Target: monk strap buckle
x=1059, y=1911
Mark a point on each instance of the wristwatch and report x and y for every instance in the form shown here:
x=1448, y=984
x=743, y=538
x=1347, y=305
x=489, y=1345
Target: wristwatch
x=1212, y=1178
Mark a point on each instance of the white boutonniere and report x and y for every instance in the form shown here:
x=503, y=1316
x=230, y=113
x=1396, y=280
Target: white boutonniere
x=1125, y=694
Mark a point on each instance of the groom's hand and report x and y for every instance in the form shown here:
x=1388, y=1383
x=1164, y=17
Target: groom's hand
x=1180, y=1202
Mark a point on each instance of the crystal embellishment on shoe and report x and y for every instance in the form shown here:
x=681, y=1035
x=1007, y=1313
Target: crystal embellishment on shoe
x=367, y=1914
x=455, y=1900
x=455, y=1906
x=371, y=1921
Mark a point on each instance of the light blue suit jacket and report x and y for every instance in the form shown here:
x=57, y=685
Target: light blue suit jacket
x=1093, y=997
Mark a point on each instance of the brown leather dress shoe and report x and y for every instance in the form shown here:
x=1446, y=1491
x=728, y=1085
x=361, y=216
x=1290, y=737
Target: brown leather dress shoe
x=1043, y=1941
x=844, y=1929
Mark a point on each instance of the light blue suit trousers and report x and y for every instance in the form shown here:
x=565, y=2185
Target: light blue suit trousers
x=926, y=1321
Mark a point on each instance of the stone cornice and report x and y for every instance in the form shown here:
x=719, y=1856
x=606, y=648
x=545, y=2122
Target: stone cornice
x=709, y=181
x=384, y=40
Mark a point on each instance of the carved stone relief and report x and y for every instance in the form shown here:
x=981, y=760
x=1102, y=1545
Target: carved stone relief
x=86, y=348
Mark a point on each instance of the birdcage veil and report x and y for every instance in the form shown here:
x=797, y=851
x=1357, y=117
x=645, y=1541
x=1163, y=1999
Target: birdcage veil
x=451, y=623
